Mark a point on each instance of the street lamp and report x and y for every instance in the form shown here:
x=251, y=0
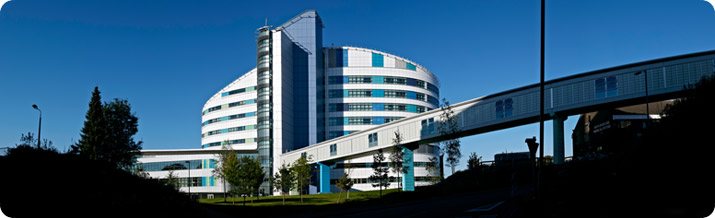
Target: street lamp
x=645, y=81
x=190, y=180
x=39, y=127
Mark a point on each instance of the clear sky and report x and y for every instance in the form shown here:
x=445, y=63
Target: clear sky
x=167, y=57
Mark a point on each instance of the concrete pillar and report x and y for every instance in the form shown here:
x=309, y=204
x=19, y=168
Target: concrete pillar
x=323, y=178
x=408, y=179
x=558, y=125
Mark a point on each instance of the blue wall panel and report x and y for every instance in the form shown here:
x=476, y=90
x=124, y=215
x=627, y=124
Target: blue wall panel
x=378, y=79
x=324, y=178
x=377, y=60
x=408, y=180
x=378, y=107
x=378, y=93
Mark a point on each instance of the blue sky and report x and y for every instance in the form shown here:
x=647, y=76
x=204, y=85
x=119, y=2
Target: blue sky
x=167, y=57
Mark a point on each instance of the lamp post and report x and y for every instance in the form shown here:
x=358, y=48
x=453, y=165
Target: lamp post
x=190, y=180
x=39, y=127
x=645, y=81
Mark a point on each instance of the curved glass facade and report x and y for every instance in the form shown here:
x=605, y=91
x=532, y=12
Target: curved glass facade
x=388, y=86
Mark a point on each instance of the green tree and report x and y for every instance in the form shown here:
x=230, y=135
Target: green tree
x=397, y=165
x=139, y=171
x=344, y=184
x=172, y=181
x=433, y=170
x=283, y=181
x=474, y=162
x=120, y=147
x=380, y=170
x=250, y=175
x=301, y=173
x=228, y=162
x=94, y=131
x=449, y=126
x=228, y=170
x=108, y=132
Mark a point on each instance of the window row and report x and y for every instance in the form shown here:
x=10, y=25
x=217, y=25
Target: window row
x=382, y=80
x=345, y=121
x=391, y=178
x=229, y=142
x=238, y=91
x=369, y=165
x=381, y=93
x=337, y=107
x=194, y=181
x=227, y=130
x=178, y=165
x=229, y=105
x=231, y=117
x=338, y=57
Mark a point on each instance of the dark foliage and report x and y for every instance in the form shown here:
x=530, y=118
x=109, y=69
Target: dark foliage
x=108, y=132
x=44, y=183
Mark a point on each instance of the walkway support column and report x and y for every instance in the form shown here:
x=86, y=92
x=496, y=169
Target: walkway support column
x=324, y=178
x=408, y=179
x=558, y=129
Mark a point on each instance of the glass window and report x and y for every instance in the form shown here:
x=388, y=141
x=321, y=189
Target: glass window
x=395, y=94
x=335, y=80
x=432, y=100
x=606, y=87
x=335, y=94
x=432, y=87
x=360, y=107
x=344, y=56
x=359, y=79
x=611, y=86
x=420, y=83
x=600, y=84
x=333, y=149
x=336, y=107
x=359, y=120
x=335, y=134
x=396, y=80
x=391, y=119
x=421, y=109
x=172, y=165
x=372, y=139
x=335, y=121
x=395, y=107
x=499, y=109
x=508, y=109
x=428, y=126
x=359, y=93
x=420, y=96
x=215, y=108
x=341, y=58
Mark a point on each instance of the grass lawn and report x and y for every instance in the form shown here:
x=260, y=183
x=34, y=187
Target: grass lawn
x=314, y=199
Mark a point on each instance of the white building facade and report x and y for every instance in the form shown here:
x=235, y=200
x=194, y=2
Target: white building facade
x=299, y=94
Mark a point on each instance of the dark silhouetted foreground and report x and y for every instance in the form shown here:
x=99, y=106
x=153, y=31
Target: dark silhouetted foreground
x=44, y=183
